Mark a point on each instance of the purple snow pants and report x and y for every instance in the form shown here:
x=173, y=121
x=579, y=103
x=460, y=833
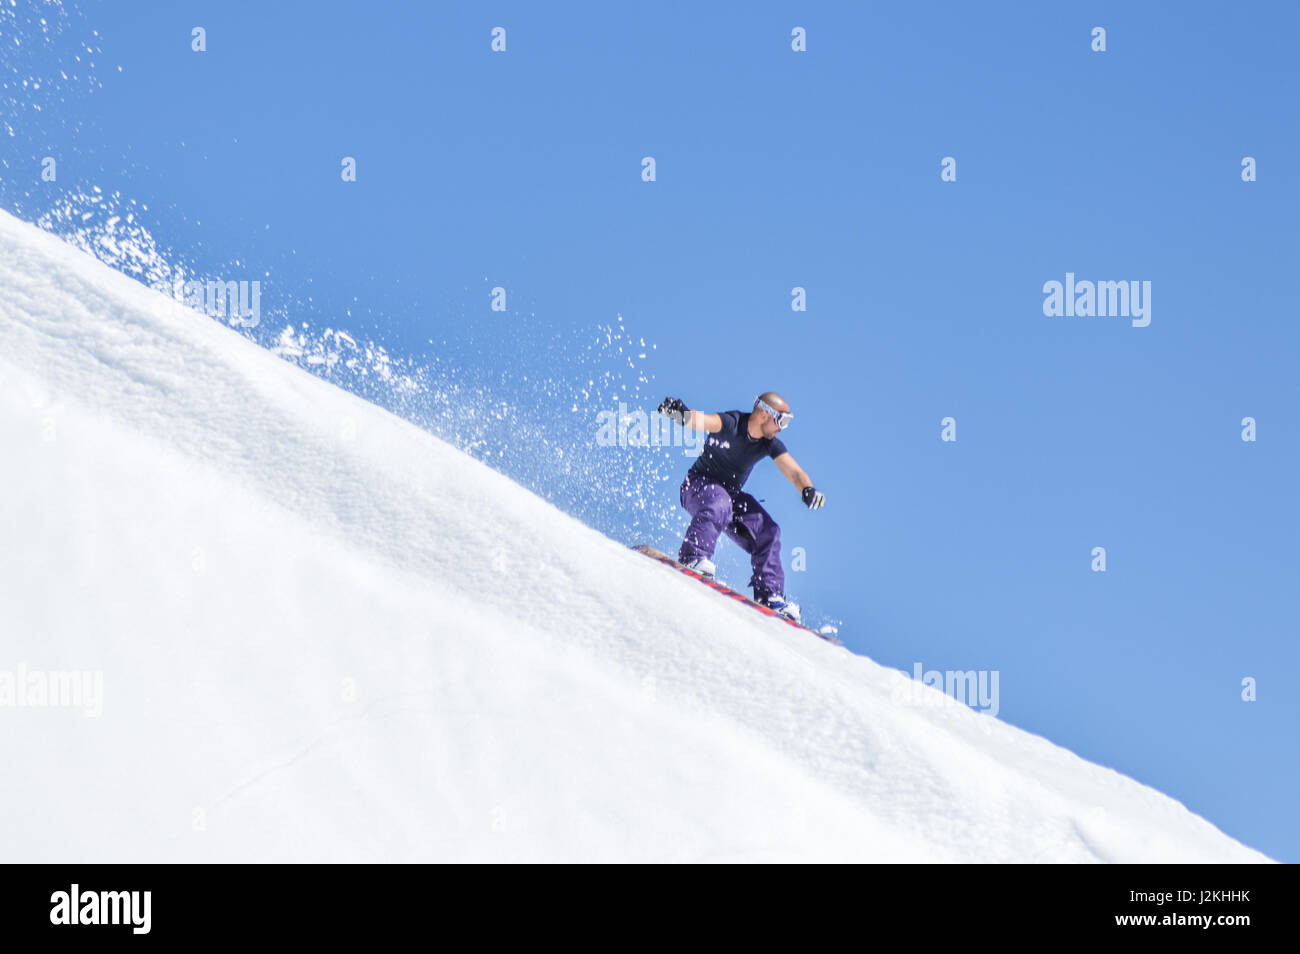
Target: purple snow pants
x=715, y=510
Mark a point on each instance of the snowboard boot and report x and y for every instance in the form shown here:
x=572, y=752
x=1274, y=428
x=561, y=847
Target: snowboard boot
x=705, y=567
x=783, y=606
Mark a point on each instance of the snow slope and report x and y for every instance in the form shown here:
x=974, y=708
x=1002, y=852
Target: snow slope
x=326, y=635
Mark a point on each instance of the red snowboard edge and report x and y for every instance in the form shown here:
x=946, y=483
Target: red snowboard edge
x=724, y=590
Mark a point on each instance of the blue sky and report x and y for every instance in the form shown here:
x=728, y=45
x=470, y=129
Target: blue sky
x=778, y=169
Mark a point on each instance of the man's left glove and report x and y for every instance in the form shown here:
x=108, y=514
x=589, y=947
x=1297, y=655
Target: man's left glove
x=813, y=498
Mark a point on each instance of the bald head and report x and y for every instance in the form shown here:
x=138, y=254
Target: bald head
x=771, y=414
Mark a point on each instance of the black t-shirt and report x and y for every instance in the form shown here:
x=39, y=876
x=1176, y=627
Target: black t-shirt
x=730, y=454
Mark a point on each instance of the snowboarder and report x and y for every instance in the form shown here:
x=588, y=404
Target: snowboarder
x=712, y=494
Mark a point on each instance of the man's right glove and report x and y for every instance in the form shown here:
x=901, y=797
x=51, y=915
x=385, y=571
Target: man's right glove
x=675, y=409
x=813, y=498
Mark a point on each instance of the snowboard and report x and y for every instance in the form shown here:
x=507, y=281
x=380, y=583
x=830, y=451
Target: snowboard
x=827, y=633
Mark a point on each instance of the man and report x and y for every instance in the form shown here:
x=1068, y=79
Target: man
x=712, y=494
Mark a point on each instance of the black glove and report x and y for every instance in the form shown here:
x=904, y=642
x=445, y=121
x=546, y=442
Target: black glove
x=813, y=498
x=674, y=409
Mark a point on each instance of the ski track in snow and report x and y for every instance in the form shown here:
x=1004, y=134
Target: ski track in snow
x=242, y=547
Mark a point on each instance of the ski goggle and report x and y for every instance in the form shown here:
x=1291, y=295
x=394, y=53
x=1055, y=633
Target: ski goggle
x=782, y=418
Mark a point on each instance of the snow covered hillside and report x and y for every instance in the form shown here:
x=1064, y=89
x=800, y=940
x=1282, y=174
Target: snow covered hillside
x=324, y=634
